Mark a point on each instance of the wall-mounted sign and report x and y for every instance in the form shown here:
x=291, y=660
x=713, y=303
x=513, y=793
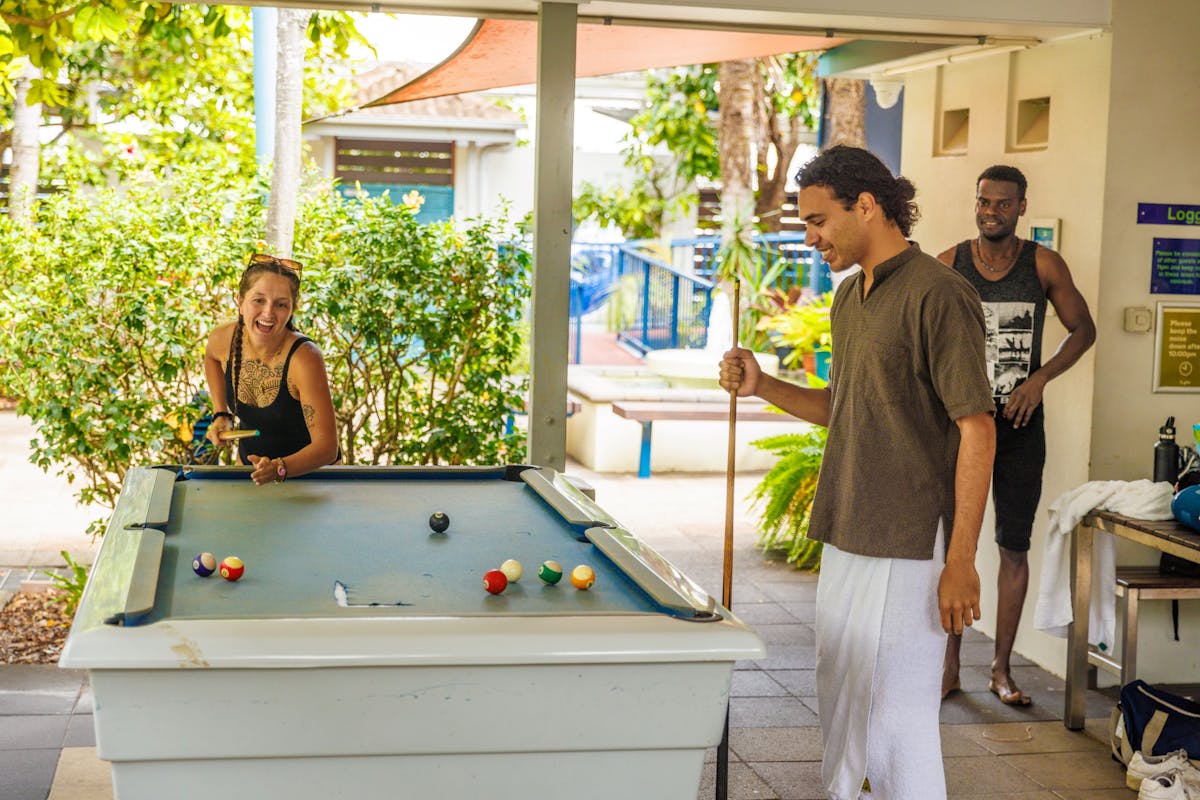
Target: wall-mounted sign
x=1045, y=231
x=1175, y=266
x=1177, y=348
x=1168, y=214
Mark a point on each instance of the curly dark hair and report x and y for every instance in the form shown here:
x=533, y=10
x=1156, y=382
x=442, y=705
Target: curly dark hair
x=850, y=171
x=1003, y=172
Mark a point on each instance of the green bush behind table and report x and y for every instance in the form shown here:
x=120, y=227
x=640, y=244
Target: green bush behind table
x=107, y=298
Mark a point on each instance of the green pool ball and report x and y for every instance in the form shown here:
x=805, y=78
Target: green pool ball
x=550, y=572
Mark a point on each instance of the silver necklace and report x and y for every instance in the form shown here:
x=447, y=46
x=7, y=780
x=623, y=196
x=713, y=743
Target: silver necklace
x=983, y=262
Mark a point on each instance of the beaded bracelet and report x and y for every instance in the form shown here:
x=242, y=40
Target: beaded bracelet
x=218, y=414
x=281, y=471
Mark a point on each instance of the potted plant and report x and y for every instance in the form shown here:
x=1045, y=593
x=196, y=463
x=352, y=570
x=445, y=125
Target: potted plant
x=804, y=327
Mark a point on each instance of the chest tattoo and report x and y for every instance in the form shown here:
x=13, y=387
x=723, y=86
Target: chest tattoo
x=259, y=383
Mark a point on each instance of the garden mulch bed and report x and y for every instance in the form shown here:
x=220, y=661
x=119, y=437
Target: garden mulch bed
x=33, y=628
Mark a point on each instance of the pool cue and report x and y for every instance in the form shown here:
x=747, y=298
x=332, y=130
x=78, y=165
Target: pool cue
x=727, y=565
x=234, y=435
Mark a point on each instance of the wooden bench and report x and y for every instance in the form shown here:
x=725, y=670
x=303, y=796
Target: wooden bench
x=1135, y=584
x=648, y=412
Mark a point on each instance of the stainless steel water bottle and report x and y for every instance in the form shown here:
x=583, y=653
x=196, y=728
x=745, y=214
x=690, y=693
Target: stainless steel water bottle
x=1166, y=454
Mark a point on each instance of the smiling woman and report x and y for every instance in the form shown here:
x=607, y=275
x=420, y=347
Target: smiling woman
x=265, y=376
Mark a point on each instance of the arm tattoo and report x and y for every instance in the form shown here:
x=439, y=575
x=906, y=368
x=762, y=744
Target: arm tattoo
x=310, y=414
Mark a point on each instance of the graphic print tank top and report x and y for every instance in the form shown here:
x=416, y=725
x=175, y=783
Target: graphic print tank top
x=1014, y=311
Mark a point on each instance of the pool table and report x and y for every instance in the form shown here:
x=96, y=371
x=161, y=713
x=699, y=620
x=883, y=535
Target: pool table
x=360, y=656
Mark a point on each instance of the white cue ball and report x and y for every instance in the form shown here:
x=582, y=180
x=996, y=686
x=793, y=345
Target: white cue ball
x=512, y=570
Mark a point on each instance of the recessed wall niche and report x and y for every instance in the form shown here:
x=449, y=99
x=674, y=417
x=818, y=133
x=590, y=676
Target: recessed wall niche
x=1032, y=128
x=955, y=132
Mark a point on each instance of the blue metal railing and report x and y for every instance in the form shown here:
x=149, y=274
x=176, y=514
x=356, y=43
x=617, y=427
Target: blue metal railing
x=673, y=305
x=803, y=265
x=662, y=299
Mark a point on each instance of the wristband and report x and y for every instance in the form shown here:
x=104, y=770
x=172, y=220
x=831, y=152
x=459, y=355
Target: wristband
x=218, y=414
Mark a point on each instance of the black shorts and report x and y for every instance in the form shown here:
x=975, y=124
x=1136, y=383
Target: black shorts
x=1017, y=479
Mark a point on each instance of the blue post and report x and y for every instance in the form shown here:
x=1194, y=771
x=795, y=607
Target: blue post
x=644, y=457
x=579, y=339
x=675, y=311
x=646, y=305
x=823, y=279
x=266, y=50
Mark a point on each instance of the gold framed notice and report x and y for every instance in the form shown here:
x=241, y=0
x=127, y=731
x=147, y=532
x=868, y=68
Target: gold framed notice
x=1046, y=231
x=1177, y=348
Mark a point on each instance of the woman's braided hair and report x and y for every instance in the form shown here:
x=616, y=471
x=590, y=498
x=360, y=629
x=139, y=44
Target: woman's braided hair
x=259, y=265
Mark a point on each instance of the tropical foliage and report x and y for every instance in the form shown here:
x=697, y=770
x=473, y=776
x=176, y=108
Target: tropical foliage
x=784, y=496
x=672, y=144
x=125, y=83
x=105, y=305
x=801, y=328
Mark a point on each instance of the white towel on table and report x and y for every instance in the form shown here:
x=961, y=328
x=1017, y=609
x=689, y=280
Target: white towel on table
x=1139, y=499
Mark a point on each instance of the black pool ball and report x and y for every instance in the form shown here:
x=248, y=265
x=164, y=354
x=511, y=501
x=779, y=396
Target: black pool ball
x=439, y=522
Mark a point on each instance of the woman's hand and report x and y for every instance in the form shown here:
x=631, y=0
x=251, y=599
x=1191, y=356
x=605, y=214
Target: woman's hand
x=216, y=428
x=267, y=470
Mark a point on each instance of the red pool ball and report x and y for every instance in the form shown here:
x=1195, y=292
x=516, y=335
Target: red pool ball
x=232, y=568
x=495, y=581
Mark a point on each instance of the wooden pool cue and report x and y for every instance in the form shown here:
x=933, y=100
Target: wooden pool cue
x=234, y=435
x=727, y=566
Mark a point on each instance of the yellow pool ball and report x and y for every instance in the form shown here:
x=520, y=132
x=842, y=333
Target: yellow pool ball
x=583, y=577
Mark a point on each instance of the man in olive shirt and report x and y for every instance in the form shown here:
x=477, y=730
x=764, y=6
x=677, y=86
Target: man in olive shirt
x=903, y=482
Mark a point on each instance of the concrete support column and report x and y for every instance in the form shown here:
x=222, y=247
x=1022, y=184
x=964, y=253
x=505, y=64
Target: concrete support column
x=553, y=157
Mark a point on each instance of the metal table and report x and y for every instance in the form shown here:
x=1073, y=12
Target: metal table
x=1169, y=536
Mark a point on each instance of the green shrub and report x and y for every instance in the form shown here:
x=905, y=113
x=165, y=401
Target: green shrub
x=420, y=326
x=106, y=303
x=786, y=492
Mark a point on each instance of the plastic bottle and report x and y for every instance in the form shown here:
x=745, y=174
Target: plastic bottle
x=1166, y=454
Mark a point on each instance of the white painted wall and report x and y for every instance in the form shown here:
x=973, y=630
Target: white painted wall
x=1066, y=180
x=1124, y=110
x=1152, y=124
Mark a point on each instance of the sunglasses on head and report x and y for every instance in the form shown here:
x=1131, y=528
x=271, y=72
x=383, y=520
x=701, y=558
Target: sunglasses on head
x=261, y=259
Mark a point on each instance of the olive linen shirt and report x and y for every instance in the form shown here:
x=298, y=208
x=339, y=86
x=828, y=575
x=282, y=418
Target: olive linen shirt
x=908, y=360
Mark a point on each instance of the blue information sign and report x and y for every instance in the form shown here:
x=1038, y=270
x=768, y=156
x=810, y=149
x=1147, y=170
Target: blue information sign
x=1168, y=214
x=1175, y=267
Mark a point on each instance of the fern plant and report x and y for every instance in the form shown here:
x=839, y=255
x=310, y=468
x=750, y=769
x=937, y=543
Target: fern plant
x=785, y=495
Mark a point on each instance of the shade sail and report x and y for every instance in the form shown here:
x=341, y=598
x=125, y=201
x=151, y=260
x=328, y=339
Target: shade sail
x=502, y=53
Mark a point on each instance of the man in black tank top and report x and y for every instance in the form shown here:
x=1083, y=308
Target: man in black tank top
x=1015, y=279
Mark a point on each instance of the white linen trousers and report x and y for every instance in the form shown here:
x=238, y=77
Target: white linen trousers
x=880, y=647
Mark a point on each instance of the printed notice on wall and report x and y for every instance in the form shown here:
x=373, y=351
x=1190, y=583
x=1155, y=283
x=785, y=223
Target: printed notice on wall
x=1177, y=348
x=1175, y=266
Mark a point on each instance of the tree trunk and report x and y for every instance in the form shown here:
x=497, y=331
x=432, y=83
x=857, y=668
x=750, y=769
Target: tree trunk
x=781, y=136
x=289, y=93
x=735, y=137
x=26, y=151
x=847, y=112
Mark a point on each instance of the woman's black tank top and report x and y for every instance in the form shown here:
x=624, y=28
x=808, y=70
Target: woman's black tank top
x=281, y=426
